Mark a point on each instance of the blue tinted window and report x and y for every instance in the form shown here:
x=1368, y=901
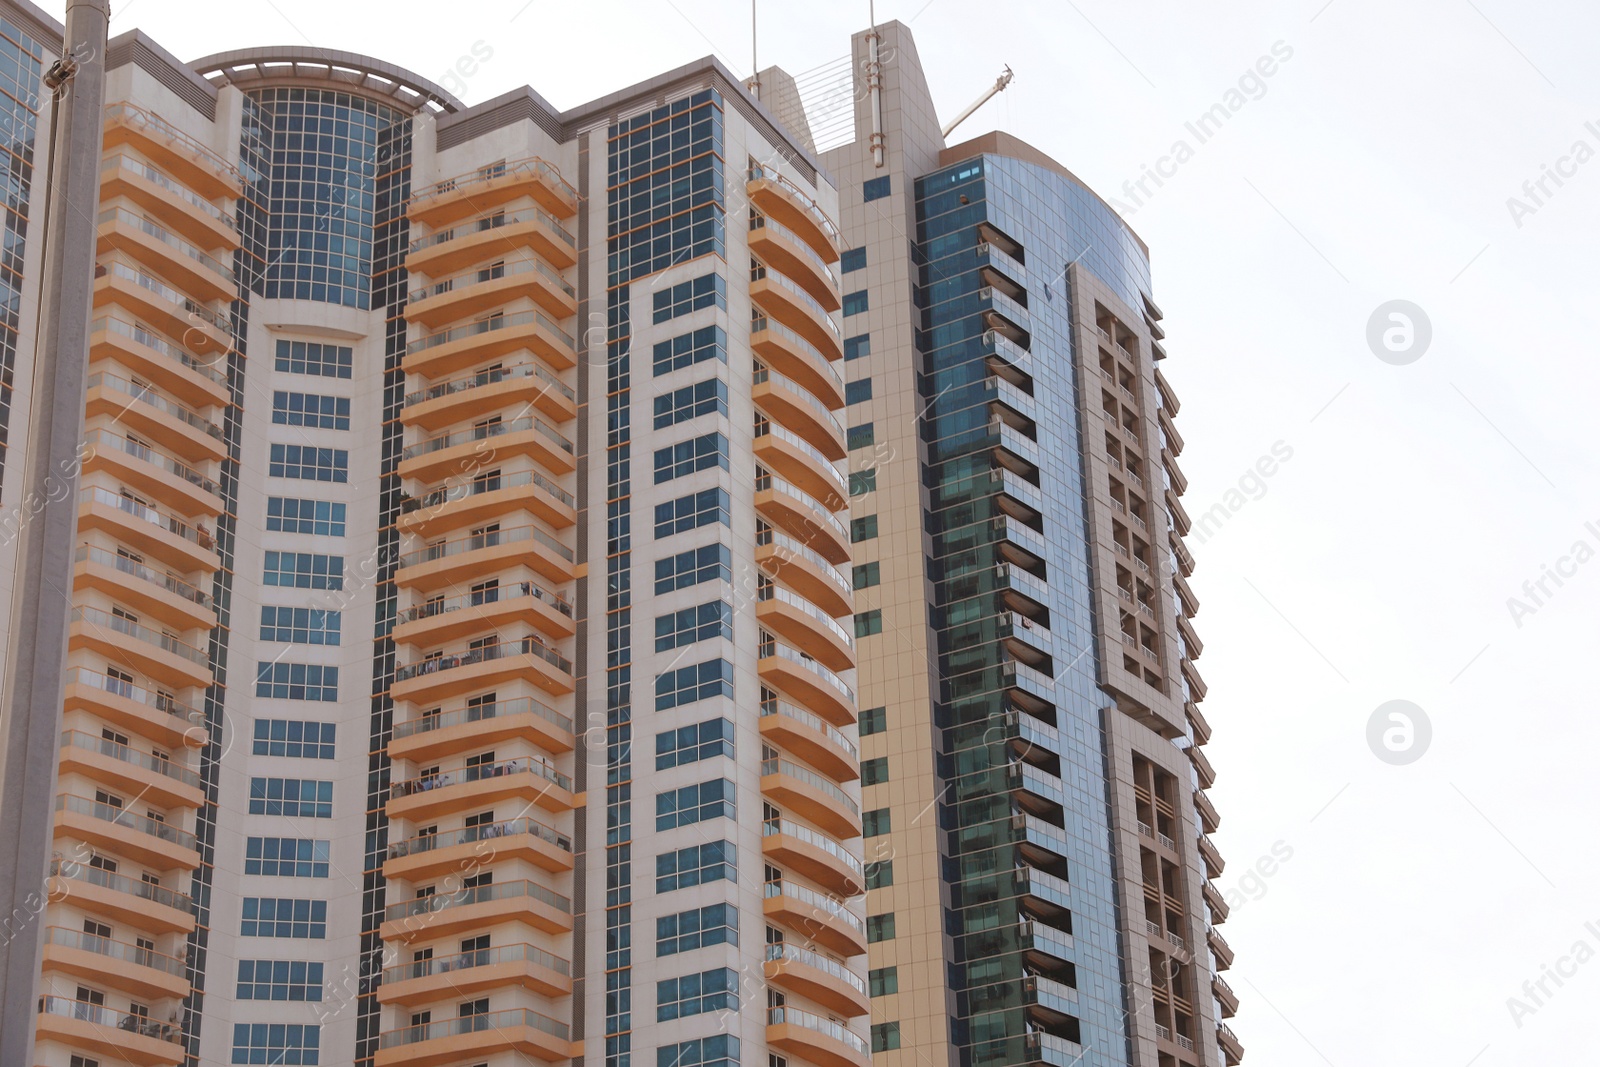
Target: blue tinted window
x=852, y=259
x=876, y=189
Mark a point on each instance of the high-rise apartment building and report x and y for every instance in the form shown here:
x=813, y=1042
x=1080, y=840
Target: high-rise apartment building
x=360, y=760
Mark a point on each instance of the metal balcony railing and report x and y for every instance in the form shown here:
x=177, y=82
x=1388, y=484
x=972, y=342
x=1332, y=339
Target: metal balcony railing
x=526, y=646
x=166, y=642
x=121, y=883
x=156, y=343
x=482, y=894
x=495, y=222
x=483, y=957
x=529, y=165
x=168, y=238
x=135, y=569
x=132, y=757
x=775, y=706
x=119, y=161
x=424, y=843
x=479, y=772
x=481, y=713
x=123, y=817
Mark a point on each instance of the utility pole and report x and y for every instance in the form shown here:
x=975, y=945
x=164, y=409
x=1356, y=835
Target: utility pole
x=49, y=516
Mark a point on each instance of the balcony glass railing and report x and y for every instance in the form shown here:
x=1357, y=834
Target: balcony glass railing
x=121, y=883
x=812, y=838
x=492, y=539
x=482, y=713
x=531, y=165
x=774, y=706
x=144, y=394
x=482, y=894
x=822, y=963
x=766, y=427
x=801, y=604
x=153, y=123
x=799, y=392
x=191, y=309
x=819, y=510
x=826, y=1027
x=760, y=271
x=95, y=809
x=488, y=432
x=144, y=512
x=155, y=177
x=495, y=222
x=105, y=1018
x=780, y=540
x=527, y=646
x=498, y=322
x=802, y=198
x=478, y=275
x=782, y=651
x=810, y=777
x=128, y=691
x=759, y=221
x=488, y=1022
x=158, y=344
x=128, y=628
x=480, y=772
x=127, y=218
x=425, y=843
x=134, y=758
x=492, y=376
x=483, y=957
x=90, y=554
x=812, y=898
x=499, y=594
x=180, y=470
x=760, y=323
x=120, y=951
x=435, y=496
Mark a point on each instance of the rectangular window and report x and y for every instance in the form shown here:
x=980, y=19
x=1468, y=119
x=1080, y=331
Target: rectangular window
x=298, y=738
x=882, y=981
x=855, y=303
x=695, y=994
x=699, y=681
x=857, y=346
x=686, y=457
x=852, y=259
x=863, y=529
x=311, y=409
x=700, y=802
x=709, y=397
x=301, y=919
x=863, y=482
x=885, y=1036
x=866, y=575
x=309, y=464
x=292, y=515
x=869, y=622
x=875, y=189
x=718, y=1050
x=692, y=512
x=300, y=626
x=298, y=798
x=708, y=563
x=880, y=874
x=303, y=570
x=297, y=681
x=875, y=771
x=703, y=622
x=311, y=357
x=696, y=865
x=279, y=980
x=875, y=823
x=858, y=391
x=286, y=857
x=860, y=436
x=276, y=1043
x=880, y=927
x=685, y=350
x=702, y=292
x=689, y=744
x=714, y=924
x=872, y=721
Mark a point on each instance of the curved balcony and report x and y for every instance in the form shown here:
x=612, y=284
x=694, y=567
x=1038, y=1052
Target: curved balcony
x=438, y=678
x=797, y=459
x=117, y=1035
x=468, y=729
x=489, y=239
x=518, y=1031
x=802, y=515
x=803, y=624
x=156, y=474
x=815, y=1040
x=796, y=787
x=105, y=762
x=480, y=447
x=197, y=379
x=828, y=982
x=156, y=844
x=431, y=855
x=147, y=529
x=460, y=347
x=120, y=898
x=150, y=592
x=791, y=354
x=453, y=790
x=191, y=162
x=466, y=194
x=206, y=333
x=781, y=199
x=811, y=684
x=774, y=243
x=804, y=569
x=164, y=252
x=794, y=729
x=462, y=974
x=161, y=656
x=440, y=621
x=478, y=908
x=155, y=714
x=472, y=292
x=142, y=408
x=818, y=857
x=780, y=298
x=197, y=218
x=467, y=559
x=816, y=917
x=484, y=392
x=443, y=509
x=143, y=973
x=788, y=402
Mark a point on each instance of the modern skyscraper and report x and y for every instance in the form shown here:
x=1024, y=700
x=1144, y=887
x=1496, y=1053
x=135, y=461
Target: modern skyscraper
x=360, y=761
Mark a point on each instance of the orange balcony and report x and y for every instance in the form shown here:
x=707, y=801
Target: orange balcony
x=142, y=973
x=469, y=729
x=1225, y=996
x=120, y=898
x=453, y=790
x=164, y=658
x=473, y=192
x=803, y=624
x=461, y=347
x=473, y=292
x=814, y=1039
x=451, y=912
x=195, y=378
x=804, y=569
x=162, y=782
x=520, y=1031
x=1220, y=948
x=779, y=198
x=179, y=261
x=440, y=621
x=788, y=353
x=150, y=472
x=793, y=457
x=781, y=299
x=482, y=393
x=146, y=590
x=791, y=404
x=815, y=917
x=812, y=685
x=156, y=844
x=181, y=430
x=477, y=449
x=205, y=332
x=179, y=154
x=149, y=530
x=432, y=855
x=776, y=244
x=117, y=1035
x=439, y=678
x=803, y=516
x=815, y=855
x=152, y=713
x=492, y=239
x=828, y=982
x=195, y=217
x=444, y=509
x=804, y=791
x=794, y=729
x=461, y=974
x=464, y=560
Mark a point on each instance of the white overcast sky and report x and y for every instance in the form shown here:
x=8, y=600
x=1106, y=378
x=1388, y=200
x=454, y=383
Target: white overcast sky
x=1378, y=562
